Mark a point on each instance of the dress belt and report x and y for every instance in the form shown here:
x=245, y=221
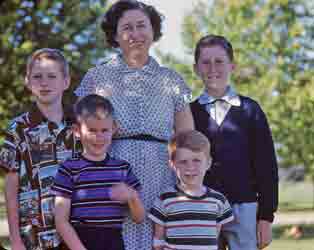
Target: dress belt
x=142, y=137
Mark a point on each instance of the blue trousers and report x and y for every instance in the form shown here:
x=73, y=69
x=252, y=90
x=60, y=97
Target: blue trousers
x=241, y=233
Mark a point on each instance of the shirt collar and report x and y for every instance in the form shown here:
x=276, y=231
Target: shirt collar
x=36, y=116
x=230, y=97
x=150, y=67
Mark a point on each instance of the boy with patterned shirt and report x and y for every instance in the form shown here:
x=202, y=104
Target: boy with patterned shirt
x=189, y=215
x=95, y=191
x=35, y=143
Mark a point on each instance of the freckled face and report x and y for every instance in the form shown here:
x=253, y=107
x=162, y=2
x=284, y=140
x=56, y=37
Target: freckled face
x=47, y=82
x=134, y=32
x=95, y=135
x=214, y=68
x=190, y=167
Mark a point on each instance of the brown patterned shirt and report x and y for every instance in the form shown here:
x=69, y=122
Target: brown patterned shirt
x=34, y=147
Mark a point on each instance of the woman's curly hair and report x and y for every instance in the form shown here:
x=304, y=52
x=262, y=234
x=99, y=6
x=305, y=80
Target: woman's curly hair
x=112, y=16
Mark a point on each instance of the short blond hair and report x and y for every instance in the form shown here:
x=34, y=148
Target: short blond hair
x=190, y=139
x=51, y=54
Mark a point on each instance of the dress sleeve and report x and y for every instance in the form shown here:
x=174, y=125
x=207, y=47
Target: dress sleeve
x=182, y=94
x=63, y=185
x=87, y=85
x=158, y=212
x=10, y=155
x=225, y=214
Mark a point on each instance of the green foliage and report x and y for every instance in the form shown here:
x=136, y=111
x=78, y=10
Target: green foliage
x=273, y=44
x=72, y=26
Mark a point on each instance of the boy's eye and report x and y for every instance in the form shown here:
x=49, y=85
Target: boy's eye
x=182, y=161
x=51, y=76
x=197, y=160
x=126, y=27
x=37, y=76
x=205, y=62
x=219, y=61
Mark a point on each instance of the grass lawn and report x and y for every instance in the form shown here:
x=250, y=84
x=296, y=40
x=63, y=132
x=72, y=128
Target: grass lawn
x=292, y=197
x=283, y=242
x=289, y=244
x=277, y=244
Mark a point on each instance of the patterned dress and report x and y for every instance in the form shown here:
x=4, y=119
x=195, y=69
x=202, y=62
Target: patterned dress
x=145, y=102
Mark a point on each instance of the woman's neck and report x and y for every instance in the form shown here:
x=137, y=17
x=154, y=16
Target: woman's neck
x=136, y=60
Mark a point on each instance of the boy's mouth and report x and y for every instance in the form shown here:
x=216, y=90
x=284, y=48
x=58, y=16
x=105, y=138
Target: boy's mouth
x=45, y=92
x=212, y=77
x=98, y=145
x=190, y=175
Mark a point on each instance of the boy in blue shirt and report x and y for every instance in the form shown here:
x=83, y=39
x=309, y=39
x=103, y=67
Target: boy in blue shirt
x=95, y=191
x=244, y=163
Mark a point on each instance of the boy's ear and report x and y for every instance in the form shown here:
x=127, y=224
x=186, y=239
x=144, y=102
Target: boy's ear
x=67, y=82
x=195, y=69
x=210, y=161
x=26, y=83
x=171, y=165
x=115, y=127
x=233, y=66
x=76, y=130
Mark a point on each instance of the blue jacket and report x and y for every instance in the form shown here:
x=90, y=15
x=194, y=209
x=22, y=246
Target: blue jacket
x=244, y=164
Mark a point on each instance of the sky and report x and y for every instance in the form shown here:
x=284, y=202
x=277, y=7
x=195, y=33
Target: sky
x=174, y=11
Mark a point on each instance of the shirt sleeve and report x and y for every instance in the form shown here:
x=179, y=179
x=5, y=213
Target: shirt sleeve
x=63, y=184
x=132, y=180
x=87, y=85
x=158, y=212
x=265, y=165
x=225, y=214
x=182, y=94
x=10, y=155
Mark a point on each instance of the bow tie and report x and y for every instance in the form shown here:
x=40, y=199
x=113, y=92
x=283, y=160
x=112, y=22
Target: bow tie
x=233, y=100
x=214, y=100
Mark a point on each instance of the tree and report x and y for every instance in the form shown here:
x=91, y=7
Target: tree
x=72, y=26
x=272, y=40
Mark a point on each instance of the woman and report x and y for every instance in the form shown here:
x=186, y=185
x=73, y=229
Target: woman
x=150, y=102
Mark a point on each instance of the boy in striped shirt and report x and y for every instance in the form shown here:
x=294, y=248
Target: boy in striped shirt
x=95, y=191
x=189, y=215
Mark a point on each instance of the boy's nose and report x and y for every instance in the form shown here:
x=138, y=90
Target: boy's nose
x=211, y=67
x=43, y=82
x=190, y=166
